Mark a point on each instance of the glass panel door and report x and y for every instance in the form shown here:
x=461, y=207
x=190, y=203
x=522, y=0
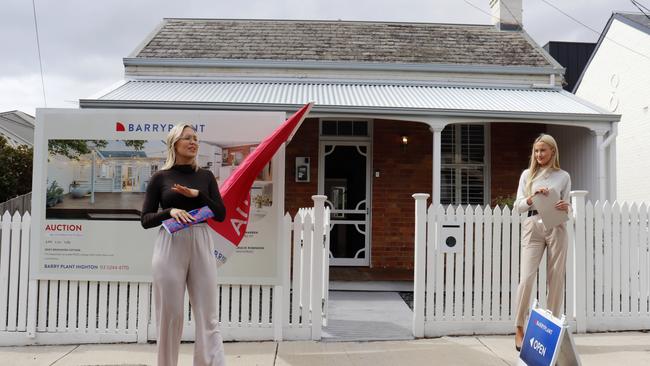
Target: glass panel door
x=345, y=181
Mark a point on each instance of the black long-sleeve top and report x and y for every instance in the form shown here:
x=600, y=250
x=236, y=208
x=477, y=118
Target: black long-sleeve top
x=159, y=193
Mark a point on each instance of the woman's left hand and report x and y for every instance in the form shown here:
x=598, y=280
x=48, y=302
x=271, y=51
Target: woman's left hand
x=562, y=206
x=187, y=192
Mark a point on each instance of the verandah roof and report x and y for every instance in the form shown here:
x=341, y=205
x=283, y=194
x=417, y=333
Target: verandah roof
x=462, y=101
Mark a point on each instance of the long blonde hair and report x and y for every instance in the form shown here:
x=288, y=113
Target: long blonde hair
x=534, y=168
x=172, y=137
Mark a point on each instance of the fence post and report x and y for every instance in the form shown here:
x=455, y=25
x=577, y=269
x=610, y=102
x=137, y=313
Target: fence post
x=144, y=310
x=579, y=258
x=317, y=267
x=419, y=263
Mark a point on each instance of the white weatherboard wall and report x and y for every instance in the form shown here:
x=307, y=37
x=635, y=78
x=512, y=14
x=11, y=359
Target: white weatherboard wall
x=573, y=142
x=618, y=80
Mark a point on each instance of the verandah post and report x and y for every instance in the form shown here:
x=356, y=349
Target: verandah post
x=579, y=265
x=317, y=267
x=419, y=263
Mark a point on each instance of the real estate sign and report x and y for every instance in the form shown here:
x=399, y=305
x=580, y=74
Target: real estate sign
x=92, y=167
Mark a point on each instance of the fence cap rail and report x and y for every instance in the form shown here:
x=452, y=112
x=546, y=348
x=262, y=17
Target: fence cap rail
x=420, y=196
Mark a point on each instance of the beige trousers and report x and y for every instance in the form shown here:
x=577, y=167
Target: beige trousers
x=534, y=239
x=186, y=258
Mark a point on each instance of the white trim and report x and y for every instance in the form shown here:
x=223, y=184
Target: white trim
x=321, y=189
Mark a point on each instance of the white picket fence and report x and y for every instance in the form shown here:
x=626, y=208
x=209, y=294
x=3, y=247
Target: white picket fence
x=473, y=292
x=63, y=312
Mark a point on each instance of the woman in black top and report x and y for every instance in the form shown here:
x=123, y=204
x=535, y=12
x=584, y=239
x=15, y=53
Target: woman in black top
x=184, y=258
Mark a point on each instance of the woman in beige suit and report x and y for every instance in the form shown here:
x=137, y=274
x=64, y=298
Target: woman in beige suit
x=543, y=174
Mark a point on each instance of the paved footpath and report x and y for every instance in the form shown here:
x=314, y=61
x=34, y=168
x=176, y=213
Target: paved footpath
x=625, y=348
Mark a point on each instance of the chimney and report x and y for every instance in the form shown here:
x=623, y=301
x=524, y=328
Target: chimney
x=507, y=14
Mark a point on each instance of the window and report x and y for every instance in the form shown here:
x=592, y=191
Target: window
x=463, y=173
x=344, y=128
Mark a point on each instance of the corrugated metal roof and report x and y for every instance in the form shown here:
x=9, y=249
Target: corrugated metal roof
x=384, y=97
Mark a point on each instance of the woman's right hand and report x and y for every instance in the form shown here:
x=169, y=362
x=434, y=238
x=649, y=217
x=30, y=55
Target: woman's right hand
x=181, y=216
x=542, y=190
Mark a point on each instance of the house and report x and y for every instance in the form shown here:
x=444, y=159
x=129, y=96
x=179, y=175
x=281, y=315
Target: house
x=447, y=109
x=617, y=79
x=17, y=127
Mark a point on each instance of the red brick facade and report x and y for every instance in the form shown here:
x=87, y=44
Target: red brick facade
x=402, y=172
x=304, y=143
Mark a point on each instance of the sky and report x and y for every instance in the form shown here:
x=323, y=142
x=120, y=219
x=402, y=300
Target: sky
x=83, y=42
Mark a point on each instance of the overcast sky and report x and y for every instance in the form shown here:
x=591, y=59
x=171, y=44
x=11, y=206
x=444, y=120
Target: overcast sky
x=83, y=41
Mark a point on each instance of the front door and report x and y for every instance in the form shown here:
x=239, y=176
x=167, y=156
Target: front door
x=345, y=179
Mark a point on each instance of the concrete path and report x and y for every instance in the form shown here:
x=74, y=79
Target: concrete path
x=367, y=316
x=628, y=348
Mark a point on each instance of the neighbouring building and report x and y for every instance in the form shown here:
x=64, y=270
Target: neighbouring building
x=573, y=56
x=617, y=78
x=17, y=127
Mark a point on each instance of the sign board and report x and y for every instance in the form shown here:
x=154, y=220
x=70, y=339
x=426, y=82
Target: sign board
x=92, y=167
x=547, y=341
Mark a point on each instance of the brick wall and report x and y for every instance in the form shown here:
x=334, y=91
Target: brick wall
x=402, y=173
x=304, y=143
x=511, y=144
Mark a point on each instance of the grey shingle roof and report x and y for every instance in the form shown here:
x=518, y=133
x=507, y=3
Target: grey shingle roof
x=285, y=40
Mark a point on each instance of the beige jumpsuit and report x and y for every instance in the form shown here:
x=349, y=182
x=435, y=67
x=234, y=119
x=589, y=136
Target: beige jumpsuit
x=186, y=257
x=535, y=238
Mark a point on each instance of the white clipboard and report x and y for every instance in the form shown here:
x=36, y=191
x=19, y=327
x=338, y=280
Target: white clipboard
x=545, y=205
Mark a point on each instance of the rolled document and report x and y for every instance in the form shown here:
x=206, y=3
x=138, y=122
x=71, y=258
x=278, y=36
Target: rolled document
x=200, y=215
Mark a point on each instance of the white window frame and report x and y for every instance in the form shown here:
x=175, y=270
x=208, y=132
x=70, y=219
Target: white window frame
x=345, y=138
x=458, y=166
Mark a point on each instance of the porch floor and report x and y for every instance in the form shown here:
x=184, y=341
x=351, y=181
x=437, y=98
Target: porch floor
x=367, y=316
x=369, y=274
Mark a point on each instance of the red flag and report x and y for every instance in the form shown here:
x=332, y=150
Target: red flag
x=235, y=191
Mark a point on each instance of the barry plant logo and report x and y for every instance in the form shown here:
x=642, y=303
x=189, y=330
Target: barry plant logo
x=152, y=127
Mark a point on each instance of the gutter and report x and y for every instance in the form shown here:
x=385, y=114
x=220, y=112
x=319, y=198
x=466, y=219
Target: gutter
x=90, y=103
x=334, y=65
x=602, y=146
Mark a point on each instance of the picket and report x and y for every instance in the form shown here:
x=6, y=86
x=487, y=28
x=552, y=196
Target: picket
x=633, y=255
x=496, y=258
x=625, y=260
x=469, y=265
x=505, y=265
x=607, y=258
x=23, y=286
x=5, y=247
x=12, y=314
x=644, y=271
x=590, y=258
x=479, y=275
x=487, y=264
x=599, y=290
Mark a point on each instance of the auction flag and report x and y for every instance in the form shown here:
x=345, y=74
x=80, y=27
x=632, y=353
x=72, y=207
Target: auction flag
x=235, y=191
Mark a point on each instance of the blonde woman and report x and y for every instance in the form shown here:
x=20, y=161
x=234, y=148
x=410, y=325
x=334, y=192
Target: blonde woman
x=184, y=258
x=543, y=174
